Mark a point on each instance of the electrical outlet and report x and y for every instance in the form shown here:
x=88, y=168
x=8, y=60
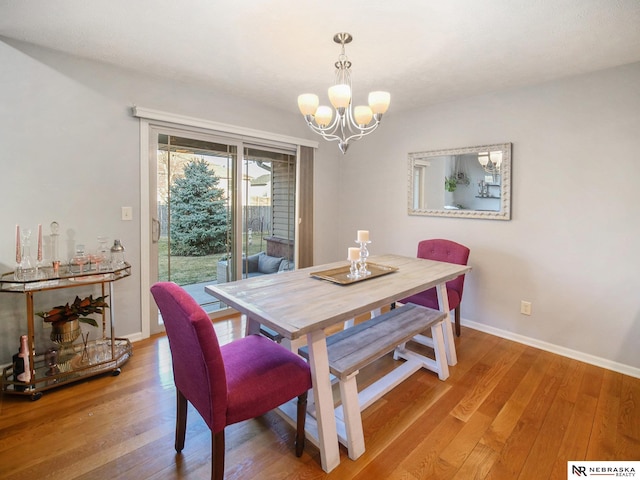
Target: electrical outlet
x=127, y=213
x=525, y=307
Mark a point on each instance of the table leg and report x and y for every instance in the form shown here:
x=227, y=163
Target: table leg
x=352, y=416
x=450, y=346
x=251, y=326
x=323, y=399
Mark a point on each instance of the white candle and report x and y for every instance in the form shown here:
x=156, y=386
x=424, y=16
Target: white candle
x=363, y=235
x=18, y=252
x=354, y=254
x=39, y=242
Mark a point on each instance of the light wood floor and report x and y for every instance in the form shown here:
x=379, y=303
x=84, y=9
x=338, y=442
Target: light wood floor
x=508, y=411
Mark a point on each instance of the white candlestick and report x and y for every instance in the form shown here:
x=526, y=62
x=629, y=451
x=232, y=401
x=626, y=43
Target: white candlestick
x=39, y=242
x=18, y=251
x=363, y=235
x=354, y=254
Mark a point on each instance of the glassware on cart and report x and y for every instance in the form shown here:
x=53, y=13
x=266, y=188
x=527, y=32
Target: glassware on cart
x=117, y=255
x=79, y=260
x=102, y=257
x=25, y=269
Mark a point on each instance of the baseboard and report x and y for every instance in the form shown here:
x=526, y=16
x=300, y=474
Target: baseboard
x=135, y=337
x=550, y=347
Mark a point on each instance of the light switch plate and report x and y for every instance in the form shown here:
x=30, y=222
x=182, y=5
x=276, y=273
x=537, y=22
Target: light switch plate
x=127, y=213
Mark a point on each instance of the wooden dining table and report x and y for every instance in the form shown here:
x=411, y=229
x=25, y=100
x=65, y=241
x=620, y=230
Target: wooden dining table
x=299, y=304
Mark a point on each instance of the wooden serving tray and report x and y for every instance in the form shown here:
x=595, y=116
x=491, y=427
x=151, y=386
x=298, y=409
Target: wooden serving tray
x=339, y=274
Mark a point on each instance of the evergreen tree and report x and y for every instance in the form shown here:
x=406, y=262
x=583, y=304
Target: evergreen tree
x=198, y=212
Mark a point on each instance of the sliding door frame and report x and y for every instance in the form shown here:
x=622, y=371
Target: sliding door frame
x=154, y=119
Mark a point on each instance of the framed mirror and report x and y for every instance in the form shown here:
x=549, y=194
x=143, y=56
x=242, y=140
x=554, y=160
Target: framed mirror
x=470, y=182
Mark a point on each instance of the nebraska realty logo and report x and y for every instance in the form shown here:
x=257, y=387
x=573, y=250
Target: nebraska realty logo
x=603, y=469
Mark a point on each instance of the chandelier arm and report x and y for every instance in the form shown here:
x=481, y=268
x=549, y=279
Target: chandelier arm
x=358, y=136
x=331, y=129
x=326, y=133
x=366, y=129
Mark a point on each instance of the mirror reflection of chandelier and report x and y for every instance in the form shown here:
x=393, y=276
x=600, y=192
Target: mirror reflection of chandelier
x=349, y=123
x=490, y=161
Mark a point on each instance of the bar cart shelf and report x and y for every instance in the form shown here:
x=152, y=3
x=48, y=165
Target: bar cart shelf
x=77, y=362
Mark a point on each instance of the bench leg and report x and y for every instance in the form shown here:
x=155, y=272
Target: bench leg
x=352, y=416
x=398, y=349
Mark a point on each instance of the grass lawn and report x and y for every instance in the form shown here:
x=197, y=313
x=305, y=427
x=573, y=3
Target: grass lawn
x=189, y=270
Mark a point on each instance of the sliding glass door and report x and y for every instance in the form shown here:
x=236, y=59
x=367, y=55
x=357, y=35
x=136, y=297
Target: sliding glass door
x=221, y=210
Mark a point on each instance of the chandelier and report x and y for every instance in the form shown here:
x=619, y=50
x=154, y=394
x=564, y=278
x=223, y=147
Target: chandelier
x=349, y=123
x=491, y=161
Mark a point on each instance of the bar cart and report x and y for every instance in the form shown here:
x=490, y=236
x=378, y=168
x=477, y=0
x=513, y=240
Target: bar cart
x=81, y=360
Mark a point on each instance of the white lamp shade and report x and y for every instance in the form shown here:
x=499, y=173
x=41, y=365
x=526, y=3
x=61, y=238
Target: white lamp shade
x=340, y=95
x=308, y=103
x=379, y=101
x=496, y=158
x=483, y=158
x=324, y=115
x=363, y=115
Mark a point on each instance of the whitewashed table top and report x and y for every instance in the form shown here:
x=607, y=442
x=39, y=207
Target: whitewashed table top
x=295, y=303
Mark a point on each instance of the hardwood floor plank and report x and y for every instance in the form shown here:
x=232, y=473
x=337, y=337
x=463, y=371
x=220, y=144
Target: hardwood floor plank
x=518, y=445
x=602, y=441
x=630, y=409
x=465, y=442
x=509, y=415
x=478, y=463
x=496, y=364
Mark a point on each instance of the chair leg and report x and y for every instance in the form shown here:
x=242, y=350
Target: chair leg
x=181, y=420
x=302, y=416
x=457, y=319
x=217, y=455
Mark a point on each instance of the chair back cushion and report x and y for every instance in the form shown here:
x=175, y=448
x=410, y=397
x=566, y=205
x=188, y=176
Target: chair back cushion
x=198, y=367
x=443, y=251
x=446, y=251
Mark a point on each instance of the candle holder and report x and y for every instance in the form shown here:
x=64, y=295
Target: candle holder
x=354, y=272
x=25, y=269
x=364, y=254
x=55, y=257
x=354, y=258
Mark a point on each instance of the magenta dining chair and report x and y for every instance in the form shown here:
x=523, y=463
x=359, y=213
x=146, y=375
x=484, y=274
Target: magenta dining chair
x=226, y=384
x=443, y=251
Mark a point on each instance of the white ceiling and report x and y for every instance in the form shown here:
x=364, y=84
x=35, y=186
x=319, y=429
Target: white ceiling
x=422, y=51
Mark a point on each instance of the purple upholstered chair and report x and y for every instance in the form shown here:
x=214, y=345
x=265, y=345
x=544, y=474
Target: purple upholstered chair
x=238, y=381
x=443, y=251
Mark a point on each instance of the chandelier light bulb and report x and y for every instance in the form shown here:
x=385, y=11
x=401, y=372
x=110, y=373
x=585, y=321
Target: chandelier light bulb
x=340, y=96
x=308, y=103
x=362, y=115
x=350, y=123
x=324, y=115
x=379, y=102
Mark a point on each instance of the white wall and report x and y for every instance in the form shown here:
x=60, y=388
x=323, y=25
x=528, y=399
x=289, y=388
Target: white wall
x=70, y=152
x=571, y=247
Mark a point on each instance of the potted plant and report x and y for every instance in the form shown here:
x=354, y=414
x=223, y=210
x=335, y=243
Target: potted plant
x=65, y=319
x=450, y=183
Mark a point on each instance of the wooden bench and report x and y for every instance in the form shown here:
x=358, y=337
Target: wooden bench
x=357, y=346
